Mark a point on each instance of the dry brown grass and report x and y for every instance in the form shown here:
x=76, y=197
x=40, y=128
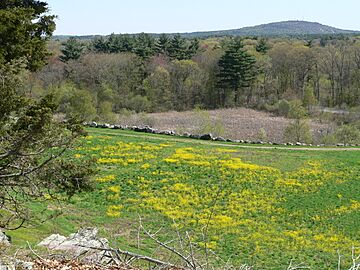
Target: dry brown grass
x=239, y=123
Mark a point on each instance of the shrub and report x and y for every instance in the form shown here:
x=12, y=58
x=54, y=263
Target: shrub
x=329, y=139
x=348, y=134
x=298, y=131
x=283, y=107
x=296, y=111
x=105, y=112
x=262, y=136
x=138, y=103
x=204, y=123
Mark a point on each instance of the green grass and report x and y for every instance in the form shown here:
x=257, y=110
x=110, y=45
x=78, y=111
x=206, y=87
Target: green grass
x=263, y=207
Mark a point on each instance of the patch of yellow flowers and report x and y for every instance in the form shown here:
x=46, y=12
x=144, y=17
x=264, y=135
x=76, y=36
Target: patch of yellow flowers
x=216, y=190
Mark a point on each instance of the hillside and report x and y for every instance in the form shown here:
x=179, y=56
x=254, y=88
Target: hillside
x=263, y=207
x=285, y=28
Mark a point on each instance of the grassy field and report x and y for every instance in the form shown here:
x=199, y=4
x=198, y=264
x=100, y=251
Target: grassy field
x=263, y=207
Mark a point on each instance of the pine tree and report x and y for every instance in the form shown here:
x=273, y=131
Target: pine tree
x=262, y=46
x=177, y=48
x=162, y=44
x=72, y=50
x=237, y=69
x=193, y=48
x=144, y=45
x=99, y=45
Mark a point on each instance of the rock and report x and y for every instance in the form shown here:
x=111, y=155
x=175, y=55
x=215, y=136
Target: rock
x=299, y=144
x=53, y=241
x=229, y=140
x=12, y=264
x=206, y=137
x=219, y=139
x=186, y=134
x=194, y=136
x=85, y=241
x=340, y=145
x=24, y=265
x=4, y=239
x=167, y=132
x=93, y=124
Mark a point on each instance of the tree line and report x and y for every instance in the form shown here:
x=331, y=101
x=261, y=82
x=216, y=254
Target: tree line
x=152, y=74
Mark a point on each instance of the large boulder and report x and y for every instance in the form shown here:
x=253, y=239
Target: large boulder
x=85, y=241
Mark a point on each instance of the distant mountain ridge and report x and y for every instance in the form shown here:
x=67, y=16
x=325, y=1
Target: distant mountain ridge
x=284, y=28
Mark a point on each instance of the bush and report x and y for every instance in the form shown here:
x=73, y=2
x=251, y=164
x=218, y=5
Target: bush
x=283, y=107
x=262, y=136
x=298, y=131
x=105, y=112
x=297, y=111
x=138, y=104
x=348, y=134
x=329, y=139
x=204, y=123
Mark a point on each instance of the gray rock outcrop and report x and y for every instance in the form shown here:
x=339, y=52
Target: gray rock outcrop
x=85, y=242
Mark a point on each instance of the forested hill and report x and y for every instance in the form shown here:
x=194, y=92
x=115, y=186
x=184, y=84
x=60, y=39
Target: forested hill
x=286, y=28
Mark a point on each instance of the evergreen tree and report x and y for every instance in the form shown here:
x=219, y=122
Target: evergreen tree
x=193, y=48
x=24, y=30
x=127, y=43
x=72, y=50
x=177, y=48
x=262, y=46
x=237, y=69
x=144, y=45
x=114, y=44
x=99, y=45
x=162, y=44
x=32, y=142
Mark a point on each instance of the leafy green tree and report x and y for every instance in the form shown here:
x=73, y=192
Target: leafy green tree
x=105, y=112
x=237, y=69
x=187, y=84
x=309, y=98
x=79, y=103
x=32, y=142
x=158, y=90
x=72, y=50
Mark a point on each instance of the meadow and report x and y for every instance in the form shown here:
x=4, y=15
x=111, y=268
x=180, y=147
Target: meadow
x=263, y=207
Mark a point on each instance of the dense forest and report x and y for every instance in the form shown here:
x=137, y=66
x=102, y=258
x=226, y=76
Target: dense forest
x=97, y=78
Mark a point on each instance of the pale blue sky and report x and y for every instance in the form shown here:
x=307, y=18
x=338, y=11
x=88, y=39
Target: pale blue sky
x=81, y=17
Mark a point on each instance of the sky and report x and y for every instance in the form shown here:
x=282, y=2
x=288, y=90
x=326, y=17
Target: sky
x=89, y=17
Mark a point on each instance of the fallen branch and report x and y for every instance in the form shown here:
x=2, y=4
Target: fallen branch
x=119, y=252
